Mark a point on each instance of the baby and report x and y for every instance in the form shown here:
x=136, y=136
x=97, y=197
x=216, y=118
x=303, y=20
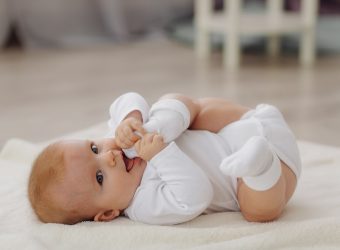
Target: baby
x=169, y=164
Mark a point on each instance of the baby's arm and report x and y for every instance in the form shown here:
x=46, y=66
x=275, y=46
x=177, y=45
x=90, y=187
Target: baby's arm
x=169, y=118
x=174, y=113
x=175, y=189
x=210, y=114
x=127, y=106
x=171, y=115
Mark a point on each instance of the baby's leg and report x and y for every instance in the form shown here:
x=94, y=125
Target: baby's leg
x=262, y=206
x=266, y=183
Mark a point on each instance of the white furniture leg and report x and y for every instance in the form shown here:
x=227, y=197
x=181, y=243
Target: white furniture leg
x=203, y=11
x=231, y=50
x=307, y=42
x=273, y=25
x=274, y=8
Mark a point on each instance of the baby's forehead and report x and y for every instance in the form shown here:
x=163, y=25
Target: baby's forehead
x=78, y=176
x=75, y=148
x=77, y=156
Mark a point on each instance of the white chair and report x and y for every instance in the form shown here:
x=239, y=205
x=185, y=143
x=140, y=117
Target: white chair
x=272, y=23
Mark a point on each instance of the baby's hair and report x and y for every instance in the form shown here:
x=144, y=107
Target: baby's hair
x=48, y=171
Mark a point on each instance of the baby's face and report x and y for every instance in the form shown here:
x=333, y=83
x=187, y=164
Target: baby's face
x=99, y=178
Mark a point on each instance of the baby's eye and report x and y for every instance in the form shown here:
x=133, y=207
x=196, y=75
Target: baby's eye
x=99, y=177
x=94, y=148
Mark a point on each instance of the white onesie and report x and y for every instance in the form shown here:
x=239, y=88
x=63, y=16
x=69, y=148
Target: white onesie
x=184, y=180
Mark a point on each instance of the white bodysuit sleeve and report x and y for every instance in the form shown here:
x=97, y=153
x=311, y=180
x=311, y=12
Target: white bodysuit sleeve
x=168, y=117
x=178, y=192
x=124, y=105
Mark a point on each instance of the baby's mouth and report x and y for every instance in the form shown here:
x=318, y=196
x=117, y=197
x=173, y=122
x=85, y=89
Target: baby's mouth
x=128, y=163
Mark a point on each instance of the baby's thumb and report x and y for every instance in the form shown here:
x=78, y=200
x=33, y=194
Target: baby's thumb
x=137, y=146
x=138, y=127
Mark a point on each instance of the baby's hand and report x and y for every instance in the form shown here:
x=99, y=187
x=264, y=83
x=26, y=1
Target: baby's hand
x=150, y=145
x=125, y=132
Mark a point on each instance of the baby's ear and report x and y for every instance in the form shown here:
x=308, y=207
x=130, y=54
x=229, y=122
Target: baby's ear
x=107, y=215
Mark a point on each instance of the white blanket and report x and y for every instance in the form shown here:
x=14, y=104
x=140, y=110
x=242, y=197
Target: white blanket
x=311, y=219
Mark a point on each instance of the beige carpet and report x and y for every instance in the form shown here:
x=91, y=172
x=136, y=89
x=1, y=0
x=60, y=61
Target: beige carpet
x=311, y=219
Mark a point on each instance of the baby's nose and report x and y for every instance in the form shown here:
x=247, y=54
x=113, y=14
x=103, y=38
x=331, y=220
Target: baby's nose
x=111, y=156
x=116, y=153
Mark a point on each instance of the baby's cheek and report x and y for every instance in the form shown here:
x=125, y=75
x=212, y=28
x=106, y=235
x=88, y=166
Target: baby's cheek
x=138, y=171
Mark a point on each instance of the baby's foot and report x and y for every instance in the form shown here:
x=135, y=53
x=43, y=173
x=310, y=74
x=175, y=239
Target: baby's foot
x=256, y=163
x=250, y=160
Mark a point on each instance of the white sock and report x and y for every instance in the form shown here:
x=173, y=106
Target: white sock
x=255, y=162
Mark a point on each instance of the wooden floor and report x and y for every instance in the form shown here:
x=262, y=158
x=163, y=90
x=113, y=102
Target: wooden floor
x=44, y=94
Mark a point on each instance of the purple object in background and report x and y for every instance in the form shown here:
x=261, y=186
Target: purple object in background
x=326, y=6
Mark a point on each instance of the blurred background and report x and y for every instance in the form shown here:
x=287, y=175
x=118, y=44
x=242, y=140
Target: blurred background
x=62, y=63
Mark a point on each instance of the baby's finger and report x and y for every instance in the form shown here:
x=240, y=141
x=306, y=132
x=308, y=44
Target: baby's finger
x=137, y=146
x=145, y=140
x=129, y=135
x=118, y=131
x=158, y=137
x=133, y=137
x=138, y=126
x=126, y=144
x=124, y=140
x=150, y=137
x=120, y=143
